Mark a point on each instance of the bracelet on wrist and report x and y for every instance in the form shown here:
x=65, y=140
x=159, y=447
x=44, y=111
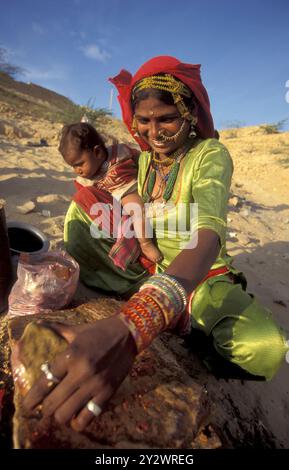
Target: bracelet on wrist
x=160, y=302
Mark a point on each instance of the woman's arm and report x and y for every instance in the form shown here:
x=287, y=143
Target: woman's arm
x=193, y=264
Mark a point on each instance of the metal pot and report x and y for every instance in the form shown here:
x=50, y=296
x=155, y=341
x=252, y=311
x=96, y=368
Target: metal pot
x=24, y=238
x=5, y=261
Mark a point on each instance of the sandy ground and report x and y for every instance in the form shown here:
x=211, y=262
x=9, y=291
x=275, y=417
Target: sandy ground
x=258, y=233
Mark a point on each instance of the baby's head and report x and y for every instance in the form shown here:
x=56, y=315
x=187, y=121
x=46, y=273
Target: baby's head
x=82, y=148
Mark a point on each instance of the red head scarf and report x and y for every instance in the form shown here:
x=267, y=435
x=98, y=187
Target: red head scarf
x=186, y=73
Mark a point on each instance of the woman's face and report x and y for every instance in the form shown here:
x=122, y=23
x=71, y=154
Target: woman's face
x=154, y=119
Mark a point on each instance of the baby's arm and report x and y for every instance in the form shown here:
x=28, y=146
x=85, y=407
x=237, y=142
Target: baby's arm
x=139, y=223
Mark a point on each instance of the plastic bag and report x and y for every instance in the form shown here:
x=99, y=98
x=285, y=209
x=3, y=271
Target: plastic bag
x=46, y=281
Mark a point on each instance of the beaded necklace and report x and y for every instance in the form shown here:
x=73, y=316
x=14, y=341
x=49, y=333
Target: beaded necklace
x=169, y=179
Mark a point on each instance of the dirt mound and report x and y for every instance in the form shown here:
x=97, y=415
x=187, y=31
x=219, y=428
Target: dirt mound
x=10, y=130
x=32, y=93
x=33, y=111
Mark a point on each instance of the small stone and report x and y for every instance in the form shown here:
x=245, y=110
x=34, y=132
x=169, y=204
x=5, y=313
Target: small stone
x=234, y=201
x=29, y=206
x=245, y=212
x=280, y=302
x=46, y=213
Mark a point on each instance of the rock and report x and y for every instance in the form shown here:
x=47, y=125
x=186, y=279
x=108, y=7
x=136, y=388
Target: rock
x=232, y=234
x=27, y=207
x=49, y=198
x=43, y=143
x=46, y=213
x=235, y=201
x=237, y=407
x=280, y=302
x=254, y=240
x=8, y=129
x=245, y=212
x=157, y=406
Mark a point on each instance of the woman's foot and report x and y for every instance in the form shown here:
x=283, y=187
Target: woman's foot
x=151, y=251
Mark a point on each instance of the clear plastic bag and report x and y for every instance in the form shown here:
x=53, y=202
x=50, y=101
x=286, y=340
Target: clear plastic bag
x=46, y=281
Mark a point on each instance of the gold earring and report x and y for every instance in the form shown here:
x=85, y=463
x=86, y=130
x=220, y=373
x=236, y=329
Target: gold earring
x=192, y=132
x=134, y=127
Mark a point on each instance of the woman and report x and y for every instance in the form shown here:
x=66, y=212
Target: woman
x=167, y=107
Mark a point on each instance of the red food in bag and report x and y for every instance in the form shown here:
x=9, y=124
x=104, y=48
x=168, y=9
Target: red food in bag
x=46, y=281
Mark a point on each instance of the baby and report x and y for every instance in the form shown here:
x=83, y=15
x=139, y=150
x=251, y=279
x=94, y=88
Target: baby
x=113, y=168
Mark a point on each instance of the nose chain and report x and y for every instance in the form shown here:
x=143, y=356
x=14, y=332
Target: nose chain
x=172, y=138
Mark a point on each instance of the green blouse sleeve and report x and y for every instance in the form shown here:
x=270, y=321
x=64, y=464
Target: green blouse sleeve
x=210, y=188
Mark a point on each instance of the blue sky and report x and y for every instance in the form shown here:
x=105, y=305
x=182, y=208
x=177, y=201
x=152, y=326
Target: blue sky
x=73, y=46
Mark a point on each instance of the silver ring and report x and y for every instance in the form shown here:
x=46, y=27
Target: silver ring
x=93, y=408
x=48, y=374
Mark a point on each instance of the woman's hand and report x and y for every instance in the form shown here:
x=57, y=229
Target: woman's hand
x=95, y=363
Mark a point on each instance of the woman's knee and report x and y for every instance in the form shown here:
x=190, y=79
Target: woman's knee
x=252, y=340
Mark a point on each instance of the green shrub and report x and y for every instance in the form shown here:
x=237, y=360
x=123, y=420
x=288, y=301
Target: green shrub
x=76, y=113
x=7, y=68
x=274, y=128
